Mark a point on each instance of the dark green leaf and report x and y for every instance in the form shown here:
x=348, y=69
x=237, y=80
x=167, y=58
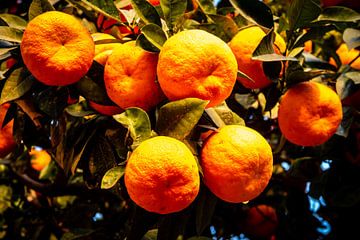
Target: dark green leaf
x=91, y=90
x=227, y=116
x=302, y=12
x=13, y=21
x=338, y=14
x=172, y=226
x=177, y=119
x=10, y=34
x=266, y=45
x=207, y=6
x=314, y=33
x=16, y=86
x=154, y=34
x=49, y=172
x=6, y=50
x=146, y=12
x=137, y=122
x=273, y=57
x=38, y=7
x=173, y=10
x=104, y=7
x=243, y=75
x=79, y=109
x=227, y=28
x=301, y=76
x=355, y=76
x=112, y=176
x=77, y=234
x=272, y=95
x=142, y=42
x=255, y=12
x=351, y=37
x=205, y=209
x=151, y=235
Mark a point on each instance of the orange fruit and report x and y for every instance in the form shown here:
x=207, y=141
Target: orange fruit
x=309, y=113
x=7, y=143
x=347, y=56
x=162, y=175
x=103, y=50
x=308, y=46
x=243, y=45
x=57, y=49
x=130, y=77
x=107, y=110
x=260, y=221
x=237, y=163
x=195, y=63
x=154, y=2
x=39, y=159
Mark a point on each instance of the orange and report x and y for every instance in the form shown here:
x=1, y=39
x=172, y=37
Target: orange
x=162, y=175
x=237, y=163
x=130, y=77
x=309, y=113
x=154, y=2
x=195, y=63
x=347, y=56
x=39, y=159
x=308, y=46
x=260, y=221
x=103, y=50
x=7, y=143
x=57, y=49
x=243, y=45
x=107, y=110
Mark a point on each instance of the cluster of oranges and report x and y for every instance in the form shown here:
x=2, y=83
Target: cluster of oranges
x=162, y=175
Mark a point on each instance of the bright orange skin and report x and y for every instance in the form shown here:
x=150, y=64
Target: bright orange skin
x=57, y=49
x=103, y=51
x=308, y=46
x=39, y=159
x=162, y=176
x=243, y=45
x=154, y=2
x=130, y=77
x=261, y=221
x=347, y=56
x=309, y=114
x=195, y=63
x=104, y=109
x=7, y=143
x=237, y=163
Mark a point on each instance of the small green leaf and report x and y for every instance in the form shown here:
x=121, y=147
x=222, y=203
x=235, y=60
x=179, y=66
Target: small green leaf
x=137, y=122
x=351, y=37
x=13, y=21
x=173, y=10
x=301, y=76
x=273, y=57
x=10, y=34
x=205, y=209
x=227, y=115
x=302, y=12
x=207, y=6
x=151, y=235
x=6, y=194
x=49, y=172
x=112, y=176
x=79, y=109
x=272, y=95
x=6, y=50
x=145, y=44
x=243, y=75
x=314, y=33
x=104, y=7
x=338, y=14
x=38, y=7
x=221, y=26
x=16, y=86
x=146, y=12
x=177, y=119
x=154, y=34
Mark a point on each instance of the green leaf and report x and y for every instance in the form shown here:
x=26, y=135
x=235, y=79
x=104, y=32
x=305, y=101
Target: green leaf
x=273, y=57
x=77, y=233
x=6, y=50
x=49, y=172
x=151, y=235
x=137, y=122
x=154, y=34
x=301, y=76
x=351, y=37
x=314, y=33
x=221, y=26
x=79, y=109
x=104, y=7
x=266, y=45
x=16, y=86
x=145, y=44
x=13, y=21
x=91, y=90
x=178, y=118
x=302, y=12
x=146, y=12
x=38, y=7
x=272, y=95
x=355, y=76
x=5, y=198
x=338, y=14
x=205, y=209
x=243, y=75
x=10, y=34
x=112, y=176
x=173, y=10
x=255, y=12
x=207, y=6
x=227, y=115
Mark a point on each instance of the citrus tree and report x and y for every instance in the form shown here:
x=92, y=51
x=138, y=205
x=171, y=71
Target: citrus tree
x=179, y=119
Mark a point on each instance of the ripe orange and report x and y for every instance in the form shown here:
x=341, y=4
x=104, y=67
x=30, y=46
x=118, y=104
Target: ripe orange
x=7, y=142
x=162, y=176
x=308, y=46
x=39, y=159
x=130, y=77
x=107, y=110
x=103, y=50
x=347, y=56
x=309, y=114
x=237, y=163
x=57, y=49
x=260, y=221
x=195, y=63
x=243, y=45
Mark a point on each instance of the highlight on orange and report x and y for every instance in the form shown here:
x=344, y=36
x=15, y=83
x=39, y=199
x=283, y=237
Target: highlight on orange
x=309, y=113
x=57, y=49
x=7, y=142
x=103, y=50
x=347, y=56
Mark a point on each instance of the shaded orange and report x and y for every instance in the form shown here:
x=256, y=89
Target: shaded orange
x=39, y=159
x=7, y=143
x=309, y=113
x=162, y=175
x=103, y=50
x=347, y=56
x=107, y=110
x=57, y=49
x=243, y=45
x=195, y=63
x=260, y=221
x=130, y=77
x=237, y=163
